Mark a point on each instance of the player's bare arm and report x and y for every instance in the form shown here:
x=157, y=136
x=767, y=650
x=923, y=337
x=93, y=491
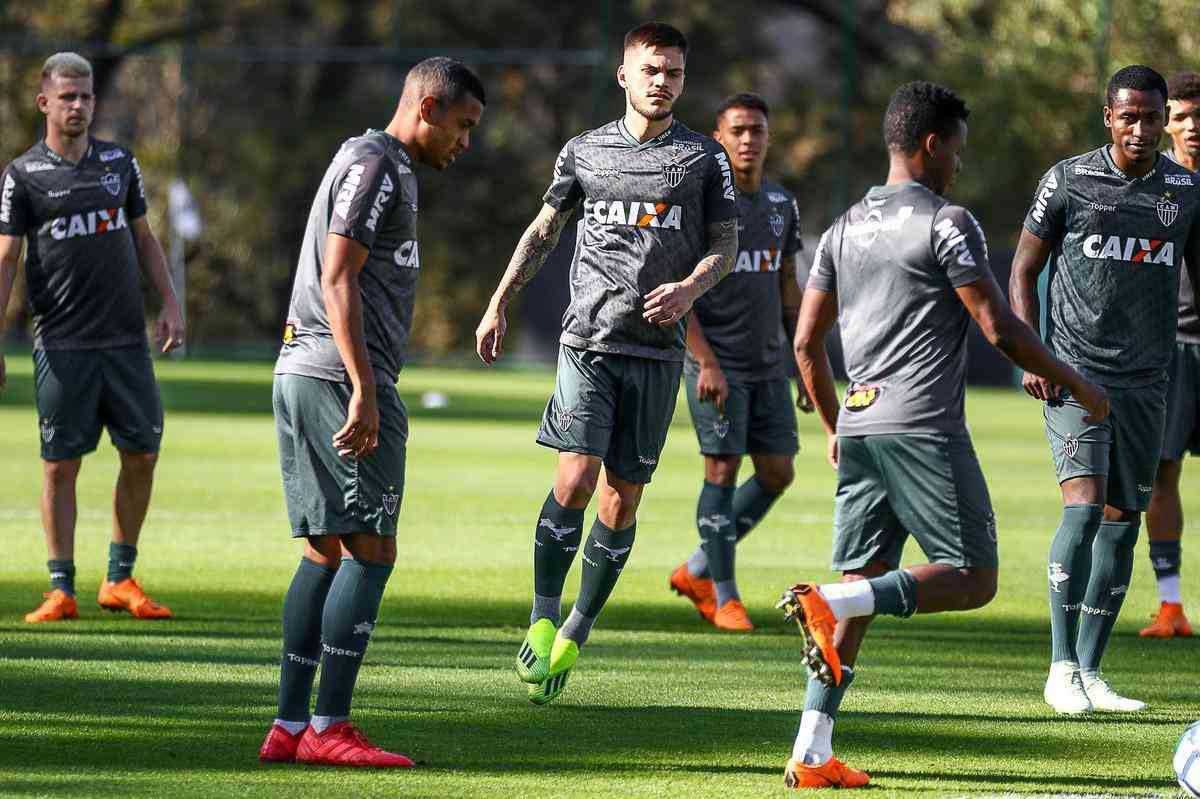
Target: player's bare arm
x=791, y=295
x=1020, y=344
x=1028, y=262
x=170, y=327
x=530, y=255
x=10, y=254
x=711, y=384
x=818, y=314
x=344, y=259
x=670, y=302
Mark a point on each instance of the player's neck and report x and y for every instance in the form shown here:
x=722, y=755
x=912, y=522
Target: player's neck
x=748, y=181
x=900, y=171
x=1131, y=169
x=1186, y=159
x=644, y=129
x=71, y=148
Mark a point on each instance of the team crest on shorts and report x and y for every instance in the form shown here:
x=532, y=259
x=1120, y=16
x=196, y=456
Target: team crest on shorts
x=112, y=183
x=563, y=419
x=776, y=220
x=1168, y=210
x=721, y=427
x=47, y=431
x=391, y=501
x=1070, y=446
x=860, y=397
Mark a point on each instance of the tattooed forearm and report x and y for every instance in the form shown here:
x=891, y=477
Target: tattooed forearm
x=531, y=253
x=718, y=261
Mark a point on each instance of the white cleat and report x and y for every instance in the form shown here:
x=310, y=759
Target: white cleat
x=1103, y=697
x=1064, y=689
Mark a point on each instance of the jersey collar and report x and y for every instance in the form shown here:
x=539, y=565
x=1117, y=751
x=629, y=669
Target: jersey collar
x=1112, y=166
x=394, y=145
x=646, y=145
x=58, y=160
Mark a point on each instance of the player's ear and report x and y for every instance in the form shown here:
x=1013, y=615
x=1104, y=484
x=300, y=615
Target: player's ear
x=621, y=75
x=1107, y=117
x=430, y=110
x=931, y=144
x=43, y=102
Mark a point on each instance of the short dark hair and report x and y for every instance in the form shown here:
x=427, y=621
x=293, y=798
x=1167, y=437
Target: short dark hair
x=446, y=79
x=1138, y=78
x=656, y=34
x=748, y=100
x=918, y=109
x=1183, y=86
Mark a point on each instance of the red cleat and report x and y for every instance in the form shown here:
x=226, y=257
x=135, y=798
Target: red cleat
x=343, y=744
x=700, y=590
x=833, y=774
x=279, y=746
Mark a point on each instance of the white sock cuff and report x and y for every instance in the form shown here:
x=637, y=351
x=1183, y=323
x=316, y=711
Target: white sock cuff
x=849, y=600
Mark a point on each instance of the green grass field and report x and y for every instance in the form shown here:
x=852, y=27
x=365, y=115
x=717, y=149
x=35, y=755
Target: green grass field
x=660, y=704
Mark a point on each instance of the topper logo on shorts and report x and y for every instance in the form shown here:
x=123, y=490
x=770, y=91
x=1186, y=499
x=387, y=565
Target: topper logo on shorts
x=92, y=223
x=408, y=255
x=859, y=398
x=757, y=261
x=350, y=184
x=637, y=214
x=6, y=195
x=381, y=198
x=1133, y=250
x=1047, y=191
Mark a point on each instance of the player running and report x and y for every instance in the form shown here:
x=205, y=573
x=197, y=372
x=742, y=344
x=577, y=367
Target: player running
x=342, y=428
x=902, y=272
x=739, y=350
x=1115, y=223
x=658, y=230
x=1164, y=516
x=81, y=205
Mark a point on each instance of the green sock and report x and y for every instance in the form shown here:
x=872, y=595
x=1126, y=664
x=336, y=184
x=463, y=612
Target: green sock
x=604, y=555
x=895, y=593
x=750, y=504
x=714, y=520
x=121, y=558
x=555, y=542
x=62, y=575
x=1112, y=567
x=1166, y=558
x=302, y=609
x=1070, y=563
x=826, y=698
x=351, y=610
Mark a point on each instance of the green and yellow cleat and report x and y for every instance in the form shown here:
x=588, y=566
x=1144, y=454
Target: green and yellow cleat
x=533, y=658
x=562, y=658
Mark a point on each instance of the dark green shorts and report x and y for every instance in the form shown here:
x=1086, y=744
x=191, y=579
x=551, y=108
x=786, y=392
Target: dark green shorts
x=328, y=494
x=1125, y=448
x=615, y=407
x=759, y=418
x=927, y=485
x=1183, y=404
x=81, y=391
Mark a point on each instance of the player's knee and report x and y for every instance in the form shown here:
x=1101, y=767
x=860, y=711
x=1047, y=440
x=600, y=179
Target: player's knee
x=575, y=489
x=722, y=469
x=984, y=583
x=777, y=477
x=63, y=472
x=139, y=463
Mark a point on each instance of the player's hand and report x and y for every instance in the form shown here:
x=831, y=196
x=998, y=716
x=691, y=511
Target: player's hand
x=668, y=303
x=711, y=386
x=359, y=436
x=170, y=327
x=1094, y=400
x=803, y=401
x=1039, y=387
x=831, y=451
x=489, y=336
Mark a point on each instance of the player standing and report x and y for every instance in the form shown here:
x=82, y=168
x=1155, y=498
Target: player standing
x=341, y=425
x=903, y=272
x=1115, y=223
x=81, y=205
x=658, y=230
x=739, y=337
x=1164, y=516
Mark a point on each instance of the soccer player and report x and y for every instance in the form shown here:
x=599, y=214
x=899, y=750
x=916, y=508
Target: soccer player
x=1164, y=516
x=739, y=337
x=658, y=229
x=902, y=272
x=341, y=426
x=1115, y=223
x=81, y=205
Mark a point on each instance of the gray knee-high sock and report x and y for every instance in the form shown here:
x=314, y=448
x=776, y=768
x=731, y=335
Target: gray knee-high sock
x=714, y=520
x=824, y=698
x=302, y=611
x=1166, y=558
x=1068, y=569
x=604, y=556
x=555, y=542
x=351, y=610
x=750, y=504
x=1112, y=567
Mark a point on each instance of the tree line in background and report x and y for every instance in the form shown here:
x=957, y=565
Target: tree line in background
x=248, y=100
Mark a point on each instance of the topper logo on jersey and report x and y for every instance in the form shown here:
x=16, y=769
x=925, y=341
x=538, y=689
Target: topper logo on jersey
x=6, y=195
x=92, y=223
x=385, y=191
x=408, y=255
x=1048, y=189
x=350, y=184
x=1133, y=250
x=758, y=261
x=637, y=214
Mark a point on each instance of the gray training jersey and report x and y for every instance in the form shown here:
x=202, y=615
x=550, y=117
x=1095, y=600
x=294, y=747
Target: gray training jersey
x=895, y=260
x=368, y=194
x=742, y=316
x=81, y=263
x=1119, y=245
x=646, y=211
x=1187, y=331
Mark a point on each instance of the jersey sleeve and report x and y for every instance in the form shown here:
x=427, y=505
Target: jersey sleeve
x=720, y=201
x=135, y=201
x=792, y=243
x=14, y=204
x=822, y=276
x=959, y=246
x=1047, y=216
x=564, y=192
x=1191, y=253
x=365, y=192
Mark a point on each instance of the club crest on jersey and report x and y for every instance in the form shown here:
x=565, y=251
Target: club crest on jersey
x=1168, y=210
x=721, y=427
x=111, y=183
x=776, y=222
x=674, y=173
x=860, y=397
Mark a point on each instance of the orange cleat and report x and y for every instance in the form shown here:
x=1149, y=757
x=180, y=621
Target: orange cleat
x=833, y=774
x=128, y=595
x=279, y=746
x=59, y=606
x=733, y=616
x=804, y=604
x=700, y=590
x=1169, y=623
x=343, y=744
